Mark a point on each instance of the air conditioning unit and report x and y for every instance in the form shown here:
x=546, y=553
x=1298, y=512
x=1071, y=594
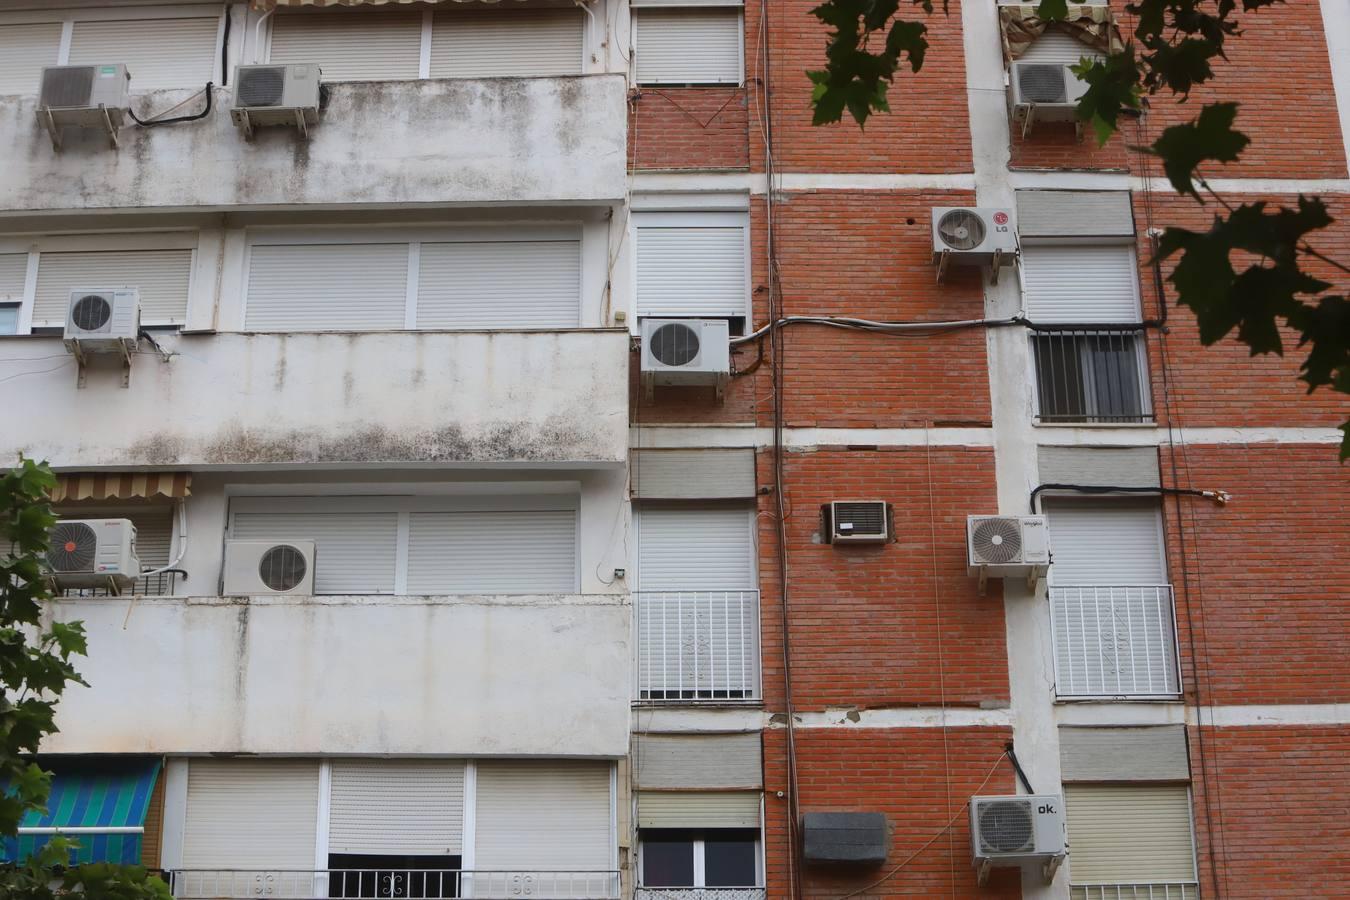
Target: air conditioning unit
x=86, y=553
x=256, y=568
x=969, y=236
x=276, y=95
x=1051, y=89
x=856, y=522
x=84, y=96
x=103, y=320
x=1017, y=830
x=1007, y=546
x=685, y=352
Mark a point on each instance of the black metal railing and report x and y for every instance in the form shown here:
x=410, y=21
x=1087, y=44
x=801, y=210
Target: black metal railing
x=161, y=584
x=1091, y=374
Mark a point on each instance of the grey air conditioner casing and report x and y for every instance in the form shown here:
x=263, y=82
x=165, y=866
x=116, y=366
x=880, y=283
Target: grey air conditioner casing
x=857, y=522
x=86, y=553
x=1015, y=830
x=276, y=95
x=845, y=838
x=685, y=352
x=103, y=320
x=973, y=236
x=80, y=95
x=1007, y=546
x=1051, y=89
x=258, y=568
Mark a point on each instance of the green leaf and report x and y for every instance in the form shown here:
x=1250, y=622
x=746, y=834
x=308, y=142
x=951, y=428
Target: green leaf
x=1053, y=10
x=1209, y=136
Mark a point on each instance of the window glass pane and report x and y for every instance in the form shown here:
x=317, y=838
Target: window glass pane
x=729, y=862
x=1089, y=377
x=9, y=319
x=667, y=862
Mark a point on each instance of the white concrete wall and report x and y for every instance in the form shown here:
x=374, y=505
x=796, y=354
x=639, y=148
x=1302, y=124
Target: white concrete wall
x=364, y=398
x=463, y=676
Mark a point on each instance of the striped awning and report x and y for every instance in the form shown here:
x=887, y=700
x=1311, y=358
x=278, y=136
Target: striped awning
x=121, y=486
x=263, y=5
x=100, y=804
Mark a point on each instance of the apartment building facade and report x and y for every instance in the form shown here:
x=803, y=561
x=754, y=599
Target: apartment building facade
x=565, y=628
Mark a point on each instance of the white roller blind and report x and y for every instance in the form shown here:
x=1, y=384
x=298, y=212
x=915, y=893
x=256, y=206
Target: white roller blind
x=327, y=287
x=397, y=807
x=499, y=284
x=1107, y=542
x=688, y=46
x=159, y=53
x=1082, y=283
x=695, y=548
x=154, y=534
x=506, y=43
x=24, y=50
x=372, y=45
x=13, y=273
x=163, y=278
x=515, y=552
x=710, y=809
x=543, y=815
x=1057, y=47
x=1128, y=834
x=251, y=814
x=355, y=551
x=691, y=270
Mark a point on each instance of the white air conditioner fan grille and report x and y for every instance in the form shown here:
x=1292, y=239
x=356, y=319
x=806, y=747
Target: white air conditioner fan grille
x=72, y=547
x=997, y=540
x=1040, y=83
x=674, y=344
x=1007, y=826
x=282, y=568
x=961, y=229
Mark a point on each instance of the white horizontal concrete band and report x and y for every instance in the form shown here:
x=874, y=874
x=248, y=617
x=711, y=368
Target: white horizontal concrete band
x=1270, y=715
x=1073, y=436
x=916, y=717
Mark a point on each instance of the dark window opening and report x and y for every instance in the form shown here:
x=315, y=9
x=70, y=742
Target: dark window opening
x=727, y=858
x=374, y=877
x=1090, y=375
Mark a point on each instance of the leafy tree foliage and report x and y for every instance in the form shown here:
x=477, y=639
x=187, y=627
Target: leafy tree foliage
x=1246, y=275
x=35, y=667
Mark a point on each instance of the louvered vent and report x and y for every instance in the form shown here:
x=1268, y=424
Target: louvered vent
x=261, y=85
x=67, y=86
x=72, y=547
x=1007, y=826
x=857, y=520
x=1038, y=83
x=675, y=344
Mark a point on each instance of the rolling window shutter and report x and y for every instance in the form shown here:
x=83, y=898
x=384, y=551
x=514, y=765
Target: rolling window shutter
x=1080, y=284
x=175, y=52
x=512, y=43
x=1128, y=834
x=355, y=551
x=695, y=548
x=1111, y=542
x=327, y=287
x=712, y=809
x=351, y=46
x=1058, y=48
x=697, y=761
x=543, y=815
x=154, y=535
x=688, y=46
x=24, y=50
x=163, y=278
x=517, y=552
x=13, y=273
x=251, y=814
x=397, y=807
x=500, y=284
x=691, y=270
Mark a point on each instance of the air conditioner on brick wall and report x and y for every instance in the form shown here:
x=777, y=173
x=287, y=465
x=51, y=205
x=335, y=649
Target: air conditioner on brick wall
x=1017, y=831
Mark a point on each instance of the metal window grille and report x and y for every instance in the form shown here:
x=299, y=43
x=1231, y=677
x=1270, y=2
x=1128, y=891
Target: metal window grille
x=1091, y=374
x=698, y=645
x=1179, y=890
x=158, y=585
x=1115, y=641
x=380, y=884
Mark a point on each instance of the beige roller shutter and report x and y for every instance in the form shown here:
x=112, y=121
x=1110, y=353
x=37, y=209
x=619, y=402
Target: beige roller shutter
x=507, y=552
x=703, y=809
x=1058, y=48
x=363, y=45
x=175, y=52
x=543, y=815
x=703, y=547
x=694, y=761
x=708, y=474
x=499, y=284
x=154, y=534
x=327, y=287
x=688, y=46
x=1087, y=284
x=690, y=268
x=1106, y=542
x=1074, y=214
x=506, y=43
x=13, y=274
x=397, y=807
x=251, y=814
x=1128, y=834
x=24, y=50
x=163, y=278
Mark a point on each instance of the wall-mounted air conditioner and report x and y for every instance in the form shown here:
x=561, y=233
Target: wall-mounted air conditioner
x=256, y=568
x=856, y=522
x=84, y=96
x=276, y=95
x=1007, y=547
x=1044, y=92
x=685, y=352
x=85, y=553
x=1017, y=830
x=103, y=320
x=969, y=236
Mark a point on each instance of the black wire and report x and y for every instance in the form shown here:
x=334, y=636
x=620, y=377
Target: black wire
x=154, y=123
x=1113, y=489
x=225, y=50
x=1017, y=767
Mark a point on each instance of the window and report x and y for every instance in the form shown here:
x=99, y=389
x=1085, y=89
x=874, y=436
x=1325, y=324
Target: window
x=710, y=858
x=693, y=265
x=703, y=46
x=9, y=318
x=1125, y=835
x=1111, y=607
x=1087, y=347
x=546, y=816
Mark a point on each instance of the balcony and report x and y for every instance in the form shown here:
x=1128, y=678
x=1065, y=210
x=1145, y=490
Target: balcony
x=429, y=142
x=1115, y=642
x=550, y=399
x=380, y=884
x=1094, y=375
x=697, y=646
x=644, y=893
x=1170, y=891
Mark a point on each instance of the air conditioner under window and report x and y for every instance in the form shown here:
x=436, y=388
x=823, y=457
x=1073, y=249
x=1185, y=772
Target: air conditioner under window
x=103, y=320
x=1052, y=88
x=87, y=553
x=84, y=96
x=258, y=568
x=276, y=95
x=685, y=352
x=1017, y=830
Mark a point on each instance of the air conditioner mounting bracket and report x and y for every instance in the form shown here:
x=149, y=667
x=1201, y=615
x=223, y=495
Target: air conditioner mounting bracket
x=245, y=122
x=944, y=260
x=984, y=580
x=982, y=872
x=1051, y=867
x=998, y=263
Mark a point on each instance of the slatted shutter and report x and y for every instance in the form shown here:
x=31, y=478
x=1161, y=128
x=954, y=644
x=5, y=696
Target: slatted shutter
x=351, y=46
x=1056, y=47
x=327, y=287
x=706, y=809
x=355, y=551
x=24, y=50
x=511, y=552
x=688, y=46
x=695, y=547
x=1108, y=542
x=690, y=269
x=397, y=807
x=543, y=815
x=1130, y=834
x=251, y=814
x=174, y=52
x=163, y=278
x=507, y=43
x=13, y=274
x=1090, y=284
x=499, y=284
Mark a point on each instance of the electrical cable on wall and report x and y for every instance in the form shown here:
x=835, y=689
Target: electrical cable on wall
x=1219, y=497
x=154, y=121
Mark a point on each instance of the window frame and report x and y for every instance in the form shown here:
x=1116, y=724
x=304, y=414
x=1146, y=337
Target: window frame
x=691, y=218
x=699, y=844
x=634, y=42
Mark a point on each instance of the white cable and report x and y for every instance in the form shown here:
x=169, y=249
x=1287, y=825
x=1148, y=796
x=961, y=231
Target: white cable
x=870, y=325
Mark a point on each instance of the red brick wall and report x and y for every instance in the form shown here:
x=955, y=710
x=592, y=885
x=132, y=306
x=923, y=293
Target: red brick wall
x=688, y=127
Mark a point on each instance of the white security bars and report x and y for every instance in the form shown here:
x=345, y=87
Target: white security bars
x=646, y=893
x=383, y=883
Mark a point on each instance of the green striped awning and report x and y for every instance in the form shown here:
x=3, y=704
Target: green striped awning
x=100, y=804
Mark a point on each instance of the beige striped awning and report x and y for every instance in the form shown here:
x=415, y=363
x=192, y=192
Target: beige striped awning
x=263, y=5
x=121, y=486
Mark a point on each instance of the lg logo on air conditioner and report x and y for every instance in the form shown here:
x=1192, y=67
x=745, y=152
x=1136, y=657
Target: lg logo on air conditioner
x=1001, y=221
